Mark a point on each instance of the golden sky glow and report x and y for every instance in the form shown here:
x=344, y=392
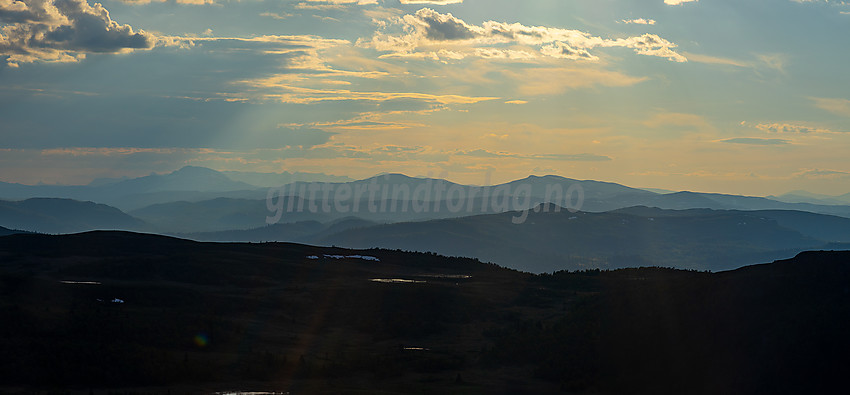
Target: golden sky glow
x=704, y=95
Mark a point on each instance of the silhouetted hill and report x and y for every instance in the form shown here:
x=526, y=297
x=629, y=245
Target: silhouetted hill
x=49, y=215
x=546, y=241
x=299, y=232
x=125, y=312
x=6, y=232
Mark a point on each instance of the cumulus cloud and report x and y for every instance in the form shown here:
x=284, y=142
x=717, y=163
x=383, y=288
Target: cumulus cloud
x=62, y=31
x=426, y=33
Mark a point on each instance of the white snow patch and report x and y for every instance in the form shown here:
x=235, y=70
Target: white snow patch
x=363, y=257
x=396, y=281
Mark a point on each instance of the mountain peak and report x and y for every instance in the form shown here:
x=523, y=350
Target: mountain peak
x=196, y=170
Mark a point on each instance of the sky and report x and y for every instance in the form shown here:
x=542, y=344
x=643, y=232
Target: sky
x=745, y=97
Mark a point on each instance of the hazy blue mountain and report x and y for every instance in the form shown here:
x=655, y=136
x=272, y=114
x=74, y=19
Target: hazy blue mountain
x=800, y=196
x=52, y=215
x=188, y=178
x=827, y=228
x=106, y=180
x=112, y=191
x=685, y=200
x=659, y=190
x=209, y=215
x=264, y=180
x=196, y=185
x=546, y=241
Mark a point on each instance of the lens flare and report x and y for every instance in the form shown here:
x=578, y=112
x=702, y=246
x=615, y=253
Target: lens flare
x=201, y=340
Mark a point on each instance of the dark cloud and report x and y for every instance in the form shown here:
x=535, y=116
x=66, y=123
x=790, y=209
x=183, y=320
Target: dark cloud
x=62, y=30
x=443, y=27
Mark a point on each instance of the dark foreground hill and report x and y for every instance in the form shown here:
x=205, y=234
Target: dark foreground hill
x=52, y=215
x=6, y=231
x=124, y=312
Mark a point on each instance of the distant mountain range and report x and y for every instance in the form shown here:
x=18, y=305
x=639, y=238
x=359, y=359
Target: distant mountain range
x=606, y=225
x=548, y=241
x=813, y=198
x=188, y=183
x=197, y=184
x=398, y=198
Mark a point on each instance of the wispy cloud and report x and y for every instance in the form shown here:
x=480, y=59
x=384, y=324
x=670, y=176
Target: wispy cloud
x=678, y=2
x=822, y=174
x=555, y=80
x=435, y=2
x=301, y=95
x=834, y=105
x=277, y=15
x=583, y=157
x=755, y=141
x=332, y=4
x=790, y=128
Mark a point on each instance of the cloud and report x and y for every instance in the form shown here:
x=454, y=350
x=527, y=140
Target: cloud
x=639, y=21
x=556, y=80
x=430, y=34
x=755, y=141
x=717, y=60
x=678, y=2
x=435, y=2
x=822, y=174
x=302, y=95
x=275, y=15
x=365, y=122
x=833, y=105
x=583, y=157
x=790, y=128
x=62, y=31
x=141, y=2
x=332, y=4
